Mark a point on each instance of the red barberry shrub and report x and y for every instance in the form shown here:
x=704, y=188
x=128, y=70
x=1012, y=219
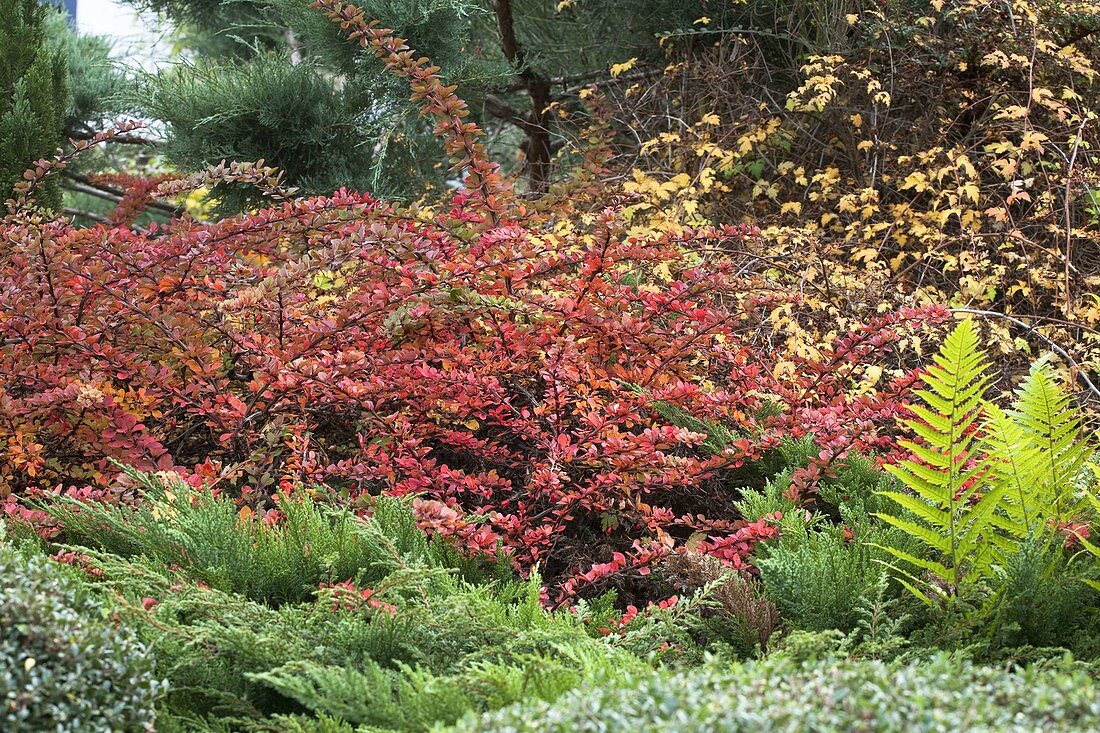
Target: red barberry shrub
x=521, y=374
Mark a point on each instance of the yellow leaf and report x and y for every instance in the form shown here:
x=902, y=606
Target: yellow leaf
x=1033, y=140
x=472, y=424
x=790, y=207
x=866, y=254
x=915, y=180
x=617, y=69
x=680, y=180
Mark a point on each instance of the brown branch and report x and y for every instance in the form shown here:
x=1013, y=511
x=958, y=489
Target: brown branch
x=87, y=215
x=124, y=139
x=1067, y=211
x=537, y=146
x=500, y=109
x=83, y=184
x=92, y=191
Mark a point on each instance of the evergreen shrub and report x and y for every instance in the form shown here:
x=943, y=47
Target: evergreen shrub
x=831, y=694
x=65, y=664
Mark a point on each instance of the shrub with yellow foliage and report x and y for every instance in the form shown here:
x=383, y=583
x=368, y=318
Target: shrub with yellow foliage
x=921, y=152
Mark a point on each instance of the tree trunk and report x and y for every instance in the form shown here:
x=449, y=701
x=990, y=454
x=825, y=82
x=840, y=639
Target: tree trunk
x=534, y=124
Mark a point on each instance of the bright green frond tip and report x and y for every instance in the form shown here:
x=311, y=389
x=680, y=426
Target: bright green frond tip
x=1046, y=417
x=943, y=508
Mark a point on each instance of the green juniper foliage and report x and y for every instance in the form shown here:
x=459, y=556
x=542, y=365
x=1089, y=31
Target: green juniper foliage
x=826, y=562
x=817, y=579
x=34, y=102
x=273, y=563
x=251, y=621
x=1040, y=601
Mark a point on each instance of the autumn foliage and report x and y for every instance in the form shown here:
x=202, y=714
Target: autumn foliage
x=942, y=150
x=550, y=383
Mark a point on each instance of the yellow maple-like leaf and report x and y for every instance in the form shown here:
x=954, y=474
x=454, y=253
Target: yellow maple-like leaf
x=866, y=254
x=915, y=180
x=680, y=180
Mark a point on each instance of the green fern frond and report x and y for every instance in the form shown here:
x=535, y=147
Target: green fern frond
x=1015, y=463
x=948, y=508
x=1045, y=415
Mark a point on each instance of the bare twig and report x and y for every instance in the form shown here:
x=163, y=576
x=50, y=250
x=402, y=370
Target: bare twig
x=84, y=184
x=1068, y=212
x=124, y=139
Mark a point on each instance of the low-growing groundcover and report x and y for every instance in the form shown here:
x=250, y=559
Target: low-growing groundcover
x=183, y=611
x=218, y=621
x=267, y=626
x=938, y=693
